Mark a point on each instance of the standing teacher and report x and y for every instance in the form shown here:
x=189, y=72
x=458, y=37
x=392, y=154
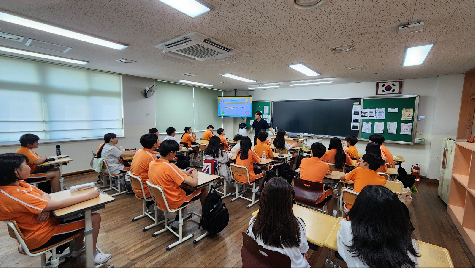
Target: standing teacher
x=259, y=124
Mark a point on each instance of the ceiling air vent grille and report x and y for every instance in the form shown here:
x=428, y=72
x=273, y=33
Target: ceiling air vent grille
x=11, y=37
x=196, y=46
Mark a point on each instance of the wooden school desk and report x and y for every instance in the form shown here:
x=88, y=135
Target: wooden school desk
x=322, y=230
x=59, y=161
x=84, y=208
x=262, y=162
x=202, y=142
x=205, y=179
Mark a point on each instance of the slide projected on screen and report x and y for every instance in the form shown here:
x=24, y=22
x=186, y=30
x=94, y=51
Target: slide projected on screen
x=235, y=106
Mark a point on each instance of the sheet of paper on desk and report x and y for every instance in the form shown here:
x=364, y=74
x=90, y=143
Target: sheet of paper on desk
x=380, y=113
x=366, y=127
x=392, y=127
x=406, y=129
x=378, y=127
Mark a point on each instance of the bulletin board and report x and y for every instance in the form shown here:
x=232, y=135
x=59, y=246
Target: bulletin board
x=394, y=107
x=260, y=106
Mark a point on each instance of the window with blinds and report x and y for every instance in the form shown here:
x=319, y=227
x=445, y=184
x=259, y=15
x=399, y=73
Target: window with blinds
x=57, y=102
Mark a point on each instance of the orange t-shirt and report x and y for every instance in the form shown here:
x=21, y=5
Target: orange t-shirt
x=249, y=163
x=169, y=177
x=386, y=154
x=262, y=147
x=32, y=157
x=207, y=135
x=187, y=139
x=329, y=157
x=139, y=167
x=352, y=152
x=364, y=176
x=313, y=169
x=22, y=204
x=224, y=141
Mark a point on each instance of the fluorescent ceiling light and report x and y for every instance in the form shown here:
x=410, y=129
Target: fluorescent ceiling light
x=38, y=55
x=232, y=76
x=417, y=55
x=304, y=69
x=263, y=87
x=194, y=83
x=191, y=8
x=55, y=30
x=312, y=83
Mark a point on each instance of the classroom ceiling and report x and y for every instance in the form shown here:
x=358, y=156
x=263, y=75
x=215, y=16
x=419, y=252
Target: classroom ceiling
x=267, y=36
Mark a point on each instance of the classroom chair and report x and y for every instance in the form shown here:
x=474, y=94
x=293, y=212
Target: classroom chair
x=161, y=202
x=281, y=151
x=242, y=171
x=254, y=255
x=347, y=196
x=136, y=183
x=394, y=186
x=308, y=192
x=16, y=233
x=118, y=178
x=35, y=179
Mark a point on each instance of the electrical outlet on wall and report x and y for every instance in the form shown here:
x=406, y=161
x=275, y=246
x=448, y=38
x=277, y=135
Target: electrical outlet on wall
x=419, y=132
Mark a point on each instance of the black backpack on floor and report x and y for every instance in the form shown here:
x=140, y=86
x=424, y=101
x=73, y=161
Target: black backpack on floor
x=215, y=214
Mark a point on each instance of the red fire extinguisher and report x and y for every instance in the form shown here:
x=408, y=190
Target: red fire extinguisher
x=416, y=171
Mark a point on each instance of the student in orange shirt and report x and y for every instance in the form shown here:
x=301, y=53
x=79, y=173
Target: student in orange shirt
x=28, y=142
x=279, y=142
x=155, y=131
x=351, y=150
x=313, y=169
x=374, y=148
x=246, y=157
x=168, y=176
x=336, y=155
x=31, y=209
x=140, y=163
x=223, y=140
x=208, y=133
x=262, y=147
x=188, y=137
x=385, y=153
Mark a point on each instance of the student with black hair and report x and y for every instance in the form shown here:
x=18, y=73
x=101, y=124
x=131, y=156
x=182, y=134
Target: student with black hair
x=247, y=158
x=236, y=147
x=208, y=133
x=215, y=151
x=366, y=173
x=374, y=148
x=140, y=164
x=279, y=142
x=155, y=131
x=350, y=147
x=223, y=140
x=336, y=155
x=378, y=233
x=259, y=124
x=171, y=178
x=171, y=132
x=385, y=153
x=276, y=227
x=113, y=155
x=28, y=142
x=188, y=137
x=261, y=148
x=31, y=209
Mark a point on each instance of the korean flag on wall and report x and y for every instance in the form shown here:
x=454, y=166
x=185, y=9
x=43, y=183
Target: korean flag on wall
x=389, y=87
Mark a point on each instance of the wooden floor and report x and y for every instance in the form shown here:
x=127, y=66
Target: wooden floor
x=133, y=248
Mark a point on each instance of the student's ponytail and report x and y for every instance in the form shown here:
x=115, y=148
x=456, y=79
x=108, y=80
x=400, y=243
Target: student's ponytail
x=340, y=157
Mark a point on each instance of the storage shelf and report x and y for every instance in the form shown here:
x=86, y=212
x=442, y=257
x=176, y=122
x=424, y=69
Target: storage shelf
x=462, y=179
x=467, y=145
x=458, y=212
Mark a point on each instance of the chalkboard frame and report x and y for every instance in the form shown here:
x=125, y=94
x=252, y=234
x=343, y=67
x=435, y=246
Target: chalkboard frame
x=414, y=119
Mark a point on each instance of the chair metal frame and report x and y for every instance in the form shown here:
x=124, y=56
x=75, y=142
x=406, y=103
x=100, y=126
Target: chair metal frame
x=238, y=170
x=181, y=210
x=225, y=182
x=135, y=180
x=16, y=233
x=346, y=195
x=119, y=178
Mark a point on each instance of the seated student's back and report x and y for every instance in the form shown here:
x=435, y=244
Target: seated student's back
x=246, y=157
x=378, y=233
x=385, y=153
x=336, y=155
x=374, y=148
x=143, y=157
x=313, y=169
x=351, y=150
x=261, y=148
x=366, y=173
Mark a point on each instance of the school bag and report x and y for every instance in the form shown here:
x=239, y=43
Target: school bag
x=407, y=180
x=215, y=215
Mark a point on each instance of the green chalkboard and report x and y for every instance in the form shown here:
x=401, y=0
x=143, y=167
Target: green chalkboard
x=259, y=106
x=403, y=102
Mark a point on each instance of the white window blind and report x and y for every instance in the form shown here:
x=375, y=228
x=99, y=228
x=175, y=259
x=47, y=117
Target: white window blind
x=173, y=106
x=57, y=102
x=206, y=108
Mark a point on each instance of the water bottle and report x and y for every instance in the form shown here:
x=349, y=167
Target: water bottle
x=264, y=155
x=58, y=149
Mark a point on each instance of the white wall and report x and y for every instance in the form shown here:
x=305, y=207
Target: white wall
x=439, y=102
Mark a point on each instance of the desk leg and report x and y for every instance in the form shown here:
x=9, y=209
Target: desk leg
x=88, y=235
